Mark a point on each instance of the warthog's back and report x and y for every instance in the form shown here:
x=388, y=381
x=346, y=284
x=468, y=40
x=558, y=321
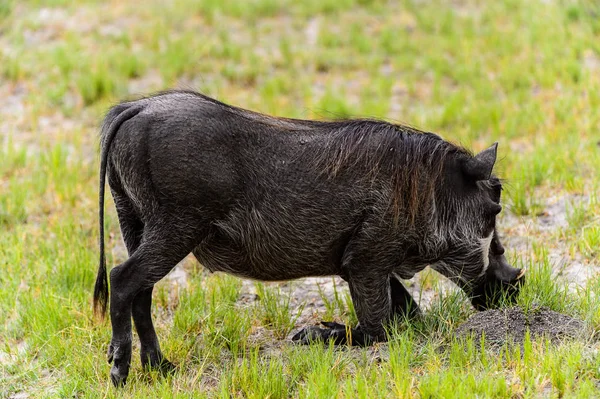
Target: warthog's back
x=271, y=208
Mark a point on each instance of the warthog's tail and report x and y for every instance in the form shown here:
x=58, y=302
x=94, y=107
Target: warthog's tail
x=111, y=125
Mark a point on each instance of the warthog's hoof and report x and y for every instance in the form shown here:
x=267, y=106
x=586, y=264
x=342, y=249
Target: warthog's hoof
x=120, y=356
x=118, y=377
x=336, y=332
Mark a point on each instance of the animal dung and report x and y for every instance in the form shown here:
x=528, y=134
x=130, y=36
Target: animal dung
x=500, y=326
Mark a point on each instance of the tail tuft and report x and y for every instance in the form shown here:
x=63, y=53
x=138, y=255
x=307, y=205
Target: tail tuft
x=101, y=289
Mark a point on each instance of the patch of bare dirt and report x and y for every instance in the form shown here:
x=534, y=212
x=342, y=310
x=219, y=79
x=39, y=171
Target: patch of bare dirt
x=307, y=296
x=510, y=325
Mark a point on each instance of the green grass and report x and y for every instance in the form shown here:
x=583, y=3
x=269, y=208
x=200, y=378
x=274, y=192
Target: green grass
x=524, y=73
x=275, y=310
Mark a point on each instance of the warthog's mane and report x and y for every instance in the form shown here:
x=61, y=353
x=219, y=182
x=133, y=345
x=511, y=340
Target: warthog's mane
x=409, y=161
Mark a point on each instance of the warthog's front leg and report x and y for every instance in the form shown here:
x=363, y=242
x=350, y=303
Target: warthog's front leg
x=402, y=306
x=370, y=291
x=368, y=271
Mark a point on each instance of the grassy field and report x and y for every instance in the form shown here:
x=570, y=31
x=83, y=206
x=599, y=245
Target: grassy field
x=524, y=73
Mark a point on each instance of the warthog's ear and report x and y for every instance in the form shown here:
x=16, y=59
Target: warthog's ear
x=480, y=166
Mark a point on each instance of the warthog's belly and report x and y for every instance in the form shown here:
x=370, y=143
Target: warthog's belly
x=261, y=260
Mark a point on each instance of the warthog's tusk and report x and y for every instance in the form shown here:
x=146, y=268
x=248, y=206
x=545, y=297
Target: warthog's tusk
x=521, y=274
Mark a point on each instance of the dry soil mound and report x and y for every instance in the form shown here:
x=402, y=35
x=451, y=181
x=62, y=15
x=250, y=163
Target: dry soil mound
x=510, y=325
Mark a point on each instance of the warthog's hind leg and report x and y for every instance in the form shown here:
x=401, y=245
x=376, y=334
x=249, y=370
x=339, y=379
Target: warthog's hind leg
x=150, y=353
x=162, y=246
x=132, y=230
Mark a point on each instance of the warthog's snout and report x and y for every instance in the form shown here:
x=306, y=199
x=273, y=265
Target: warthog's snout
x=501, y=283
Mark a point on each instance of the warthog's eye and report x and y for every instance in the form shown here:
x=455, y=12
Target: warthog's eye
x=496, y=194
x=493, y=188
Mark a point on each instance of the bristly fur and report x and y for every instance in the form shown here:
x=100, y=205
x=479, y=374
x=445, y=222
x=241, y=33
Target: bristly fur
x=411, y=160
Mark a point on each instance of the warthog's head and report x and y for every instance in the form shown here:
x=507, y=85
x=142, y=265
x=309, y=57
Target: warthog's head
x=475, y=258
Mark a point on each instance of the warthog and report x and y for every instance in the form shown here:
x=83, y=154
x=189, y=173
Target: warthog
x=277, y=199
